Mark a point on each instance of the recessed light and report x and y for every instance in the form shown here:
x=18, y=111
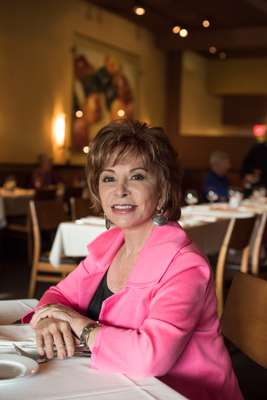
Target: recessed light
x=183, y=32
x=205, y=23
x=212, y=49
x=176, y=29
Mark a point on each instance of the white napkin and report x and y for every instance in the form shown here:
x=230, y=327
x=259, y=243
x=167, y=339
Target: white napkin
x=91, y=221
x=22, y=335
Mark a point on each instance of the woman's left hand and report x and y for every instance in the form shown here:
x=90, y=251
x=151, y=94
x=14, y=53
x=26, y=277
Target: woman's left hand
x=63, y=313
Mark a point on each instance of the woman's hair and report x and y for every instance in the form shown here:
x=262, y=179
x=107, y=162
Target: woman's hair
x=125, y=138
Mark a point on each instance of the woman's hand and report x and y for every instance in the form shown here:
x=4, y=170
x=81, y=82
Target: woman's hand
x=54, y=335
x=62, y=313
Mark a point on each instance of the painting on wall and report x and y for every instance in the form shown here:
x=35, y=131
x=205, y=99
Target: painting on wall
x=105, y=88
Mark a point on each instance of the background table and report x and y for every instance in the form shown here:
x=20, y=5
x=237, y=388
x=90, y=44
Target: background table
x=73, y=379
x=16, y=201
x=72, y=238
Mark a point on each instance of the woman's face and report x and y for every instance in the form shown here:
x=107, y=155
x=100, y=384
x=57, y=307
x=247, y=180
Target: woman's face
x=129, y=193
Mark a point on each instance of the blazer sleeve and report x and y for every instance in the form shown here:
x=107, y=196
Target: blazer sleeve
x=66, y=292
x=154, y=348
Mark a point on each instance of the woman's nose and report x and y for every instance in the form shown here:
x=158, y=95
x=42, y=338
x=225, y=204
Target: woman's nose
x=122, y=189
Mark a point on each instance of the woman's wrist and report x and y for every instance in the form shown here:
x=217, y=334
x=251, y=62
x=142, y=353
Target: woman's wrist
x=92, y=337
x=87, y=333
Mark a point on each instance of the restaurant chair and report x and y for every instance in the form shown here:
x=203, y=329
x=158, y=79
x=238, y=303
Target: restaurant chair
x=244, y=326
x=244, y=319
x=45, y=218
x=49, y=193
x=81, y=208
x=237, y=237
x=258, y=245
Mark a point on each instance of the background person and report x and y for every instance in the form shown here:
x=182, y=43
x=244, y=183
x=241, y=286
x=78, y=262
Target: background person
x=143, y=300
x=216, y=180
x=255, y=163
x=43, y=175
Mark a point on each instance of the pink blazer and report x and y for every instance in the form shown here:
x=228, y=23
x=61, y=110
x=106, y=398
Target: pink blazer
x=163, y=323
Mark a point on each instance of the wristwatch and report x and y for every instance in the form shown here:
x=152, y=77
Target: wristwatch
x=84, y=336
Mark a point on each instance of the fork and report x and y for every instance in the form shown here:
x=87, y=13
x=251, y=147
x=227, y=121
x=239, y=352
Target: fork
x=80, y=351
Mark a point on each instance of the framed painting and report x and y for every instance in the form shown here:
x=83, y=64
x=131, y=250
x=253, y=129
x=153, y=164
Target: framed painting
x=105, y=88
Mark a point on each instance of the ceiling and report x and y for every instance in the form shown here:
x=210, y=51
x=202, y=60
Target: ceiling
x=237, y=27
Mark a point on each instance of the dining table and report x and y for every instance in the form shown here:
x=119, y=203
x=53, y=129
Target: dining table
x=205, y=224
x=15, y=201
x=71, y=378
x=72, y=238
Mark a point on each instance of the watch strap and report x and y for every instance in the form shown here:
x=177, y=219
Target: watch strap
x=87, y=329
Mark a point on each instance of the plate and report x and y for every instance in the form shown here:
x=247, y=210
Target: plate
x=13, y=367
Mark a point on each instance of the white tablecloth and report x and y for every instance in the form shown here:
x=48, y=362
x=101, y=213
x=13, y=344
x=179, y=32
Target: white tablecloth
x=219, y=210
x=72, y=238
x=73, y=379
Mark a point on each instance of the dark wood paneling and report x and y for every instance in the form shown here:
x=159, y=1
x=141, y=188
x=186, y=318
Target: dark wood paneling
x=244, y=109
x=194, y=151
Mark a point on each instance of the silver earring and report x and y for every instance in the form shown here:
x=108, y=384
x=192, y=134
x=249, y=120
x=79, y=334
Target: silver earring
x=159, y=218
x=107, y=222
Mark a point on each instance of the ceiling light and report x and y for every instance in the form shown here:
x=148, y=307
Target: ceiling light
x=121, y=113
x=222, y=55
x=205, y=23
x=212, y=49
x=139, y=9
x=176, y=29
x=183, y=32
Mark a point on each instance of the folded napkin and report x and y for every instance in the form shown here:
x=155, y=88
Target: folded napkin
x=22, y=335
x=91, y=221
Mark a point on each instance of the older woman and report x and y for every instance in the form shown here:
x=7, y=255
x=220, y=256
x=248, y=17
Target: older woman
x=143, y=300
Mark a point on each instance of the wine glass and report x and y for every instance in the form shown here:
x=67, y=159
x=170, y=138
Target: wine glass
x=191, y=197
x=212, y=196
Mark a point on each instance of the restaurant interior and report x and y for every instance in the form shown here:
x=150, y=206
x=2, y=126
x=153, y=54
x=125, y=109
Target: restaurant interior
x=195, y=68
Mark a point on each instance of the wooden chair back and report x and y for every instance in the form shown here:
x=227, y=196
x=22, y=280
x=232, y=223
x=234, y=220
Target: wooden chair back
x=81, y=208
x=45, y=193
x=45, y=218
x=237, y=237
x=260, y=238
x=244, y=320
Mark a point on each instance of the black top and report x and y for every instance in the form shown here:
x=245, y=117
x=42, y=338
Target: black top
x=101, y=294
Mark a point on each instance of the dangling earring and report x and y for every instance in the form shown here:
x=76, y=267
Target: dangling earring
x=107, y=222
x=159, y=218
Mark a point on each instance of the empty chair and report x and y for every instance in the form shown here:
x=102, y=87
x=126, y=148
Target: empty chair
x=81, y=208
x=49, y=193
x=244, y=324
x=244, y=320
x=259, y=240
x=237, y=237
x=45, y=218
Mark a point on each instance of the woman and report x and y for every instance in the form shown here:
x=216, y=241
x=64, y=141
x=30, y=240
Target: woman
x=159, y=316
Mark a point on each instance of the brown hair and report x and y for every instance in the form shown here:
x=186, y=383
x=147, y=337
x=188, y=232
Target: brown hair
x=124, y=137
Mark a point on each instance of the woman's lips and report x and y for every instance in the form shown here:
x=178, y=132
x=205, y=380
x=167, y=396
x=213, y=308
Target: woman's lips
x=123, y=208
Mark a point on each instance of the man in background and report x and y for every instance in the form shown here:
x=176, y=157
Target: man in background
x=216, y=181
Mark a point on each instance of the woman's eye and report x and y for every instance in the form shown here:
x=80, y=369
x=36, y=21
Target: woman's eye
x=138, y=177
x=107, y=179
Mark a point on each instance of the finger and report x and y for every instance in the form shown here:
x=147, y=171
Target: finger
x=68, y=339
x=40, y=343
x=60, y=345
x=48, y=345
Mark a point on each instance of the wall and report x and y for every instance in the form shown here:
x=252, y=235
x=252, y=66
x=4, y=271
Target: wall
x=204, y=81
x=36, y=41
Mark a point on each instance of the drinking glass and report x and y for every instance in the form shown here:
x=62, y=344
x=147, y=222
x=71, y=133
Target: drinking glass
x=191, y=197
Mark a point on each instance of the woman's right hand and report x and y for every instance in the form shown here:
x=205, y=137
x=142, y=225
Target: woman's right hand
x=54, y=336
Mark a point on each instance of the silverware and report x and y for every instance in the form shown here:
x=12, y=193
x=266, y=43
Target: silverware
x=80, y=351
